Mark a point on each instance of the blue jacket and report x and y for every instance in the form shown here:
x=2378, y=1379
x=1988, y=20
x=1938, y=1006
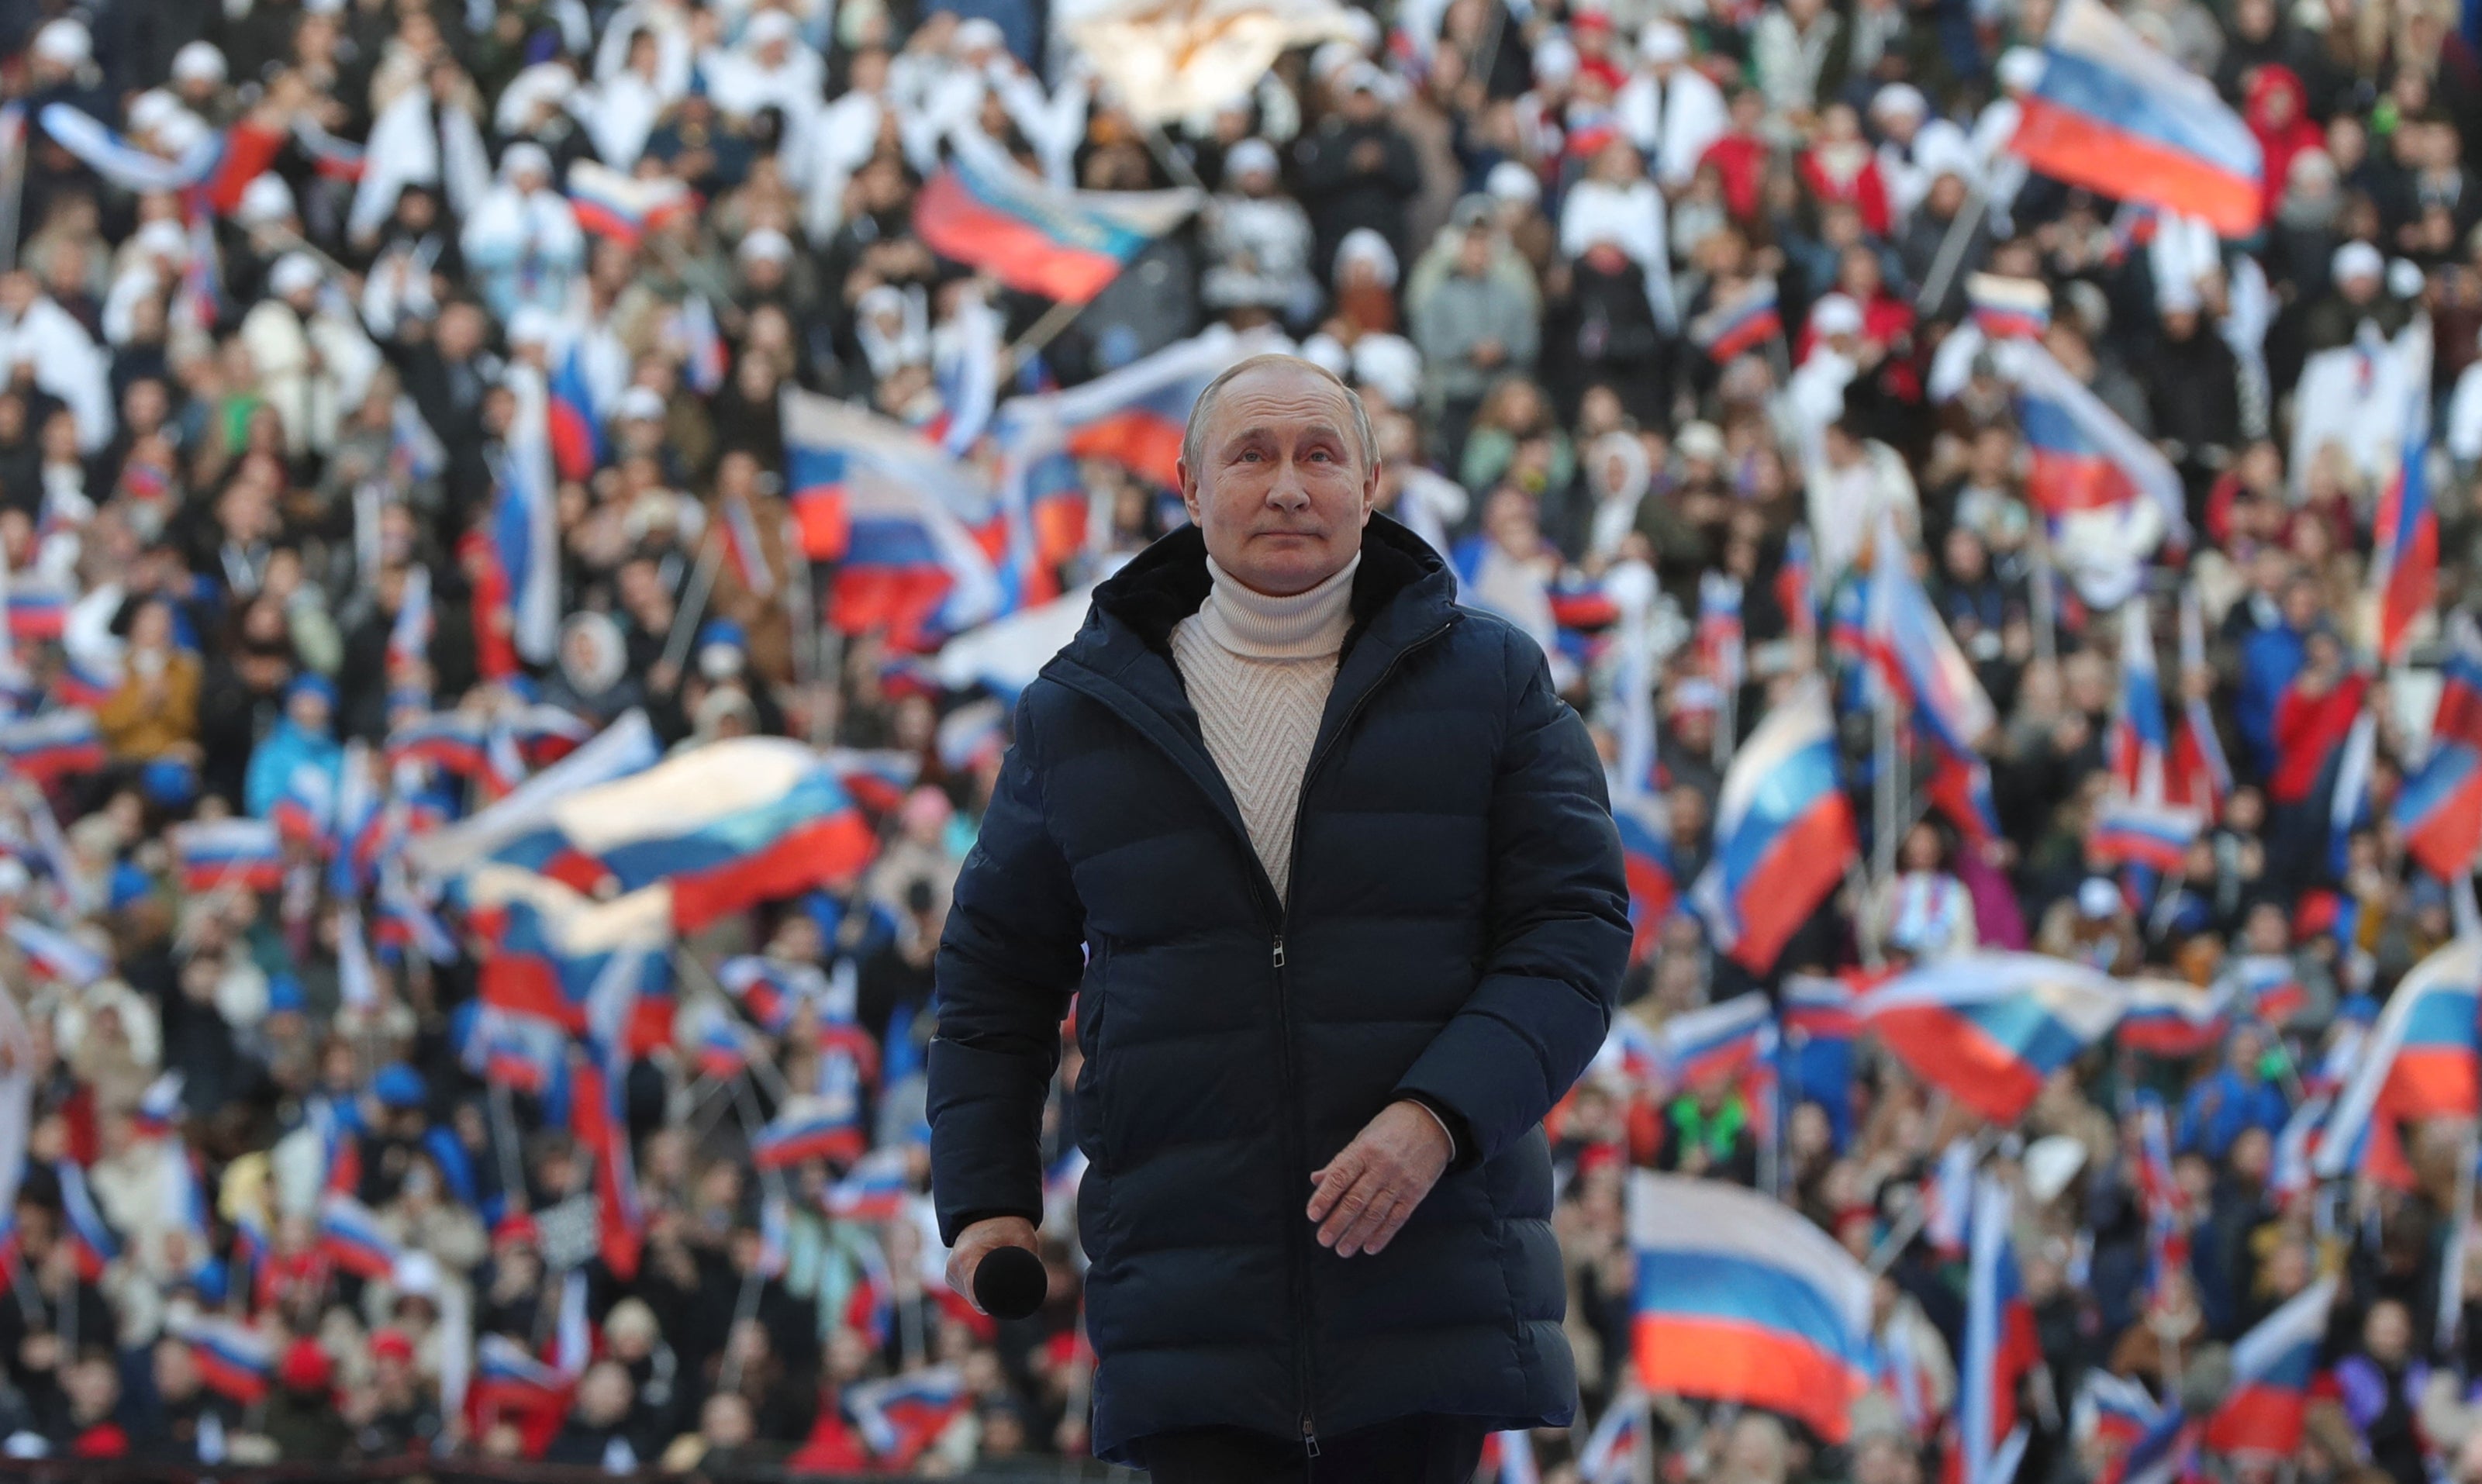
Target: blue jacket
x=2224, y=1106
x=1456, y=933
x=286, y=748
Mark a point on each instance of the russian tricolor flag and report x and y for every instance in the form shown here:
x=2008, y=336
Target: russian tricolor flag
x=1740, y=325
x=771, y=990
x=516, y=1050
x=1783, y=833
x=1916, y=655
x=1646, y=857
x=2006, y=308
x=2113, y=114
x=2417, y=1062
x=551, y=945
x=985, y=212
x=2084, y=458
x=240, y=853
x=806, y=1129
x=2271, y=1366
x=2153, y=836
x=2000, y=1345
x=1989, y=1027
x=905, y=1414
x=235, y=1360
x=54, y=745
x=1740, y=1299
x=506, y=1378
x=875, y=1189
x=35, y=614
x=451, y=741
x=352, y=1239
x=622, y=207
x=2270, y=986
x=2167, y=1017
x=96, y=1248
x=2139, y=744
x=573, y=421
x=1713, y=1044
x=2440, y=806
x=727, y=826
x=55, y=957
x=1622, y=1437
x=2404, y=536
x=2114, y=1410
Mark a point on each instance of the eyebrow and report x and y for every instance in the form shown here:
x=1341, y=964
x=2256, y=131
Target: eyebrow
x=1315, y=430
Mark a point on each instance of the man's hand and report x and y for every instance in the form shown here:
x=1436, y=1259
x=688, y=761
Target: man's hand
x=977, y=1241
x=1366, y=1192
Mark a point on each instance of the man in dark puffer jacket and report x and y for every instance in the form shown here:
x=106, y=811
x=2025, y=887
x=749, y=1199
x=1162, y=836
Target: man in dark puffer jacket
x=1342, y=954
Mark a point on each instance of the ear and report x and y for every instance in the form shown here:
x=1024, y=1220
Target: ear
x=1188, y=478
x=1370, y=491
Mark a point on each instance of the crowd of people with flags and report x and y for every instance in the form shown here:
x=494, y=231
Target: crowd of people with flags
x=522, y=525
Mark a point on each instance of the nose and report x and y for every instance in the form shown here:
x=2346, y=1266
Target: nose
x=1286, y=490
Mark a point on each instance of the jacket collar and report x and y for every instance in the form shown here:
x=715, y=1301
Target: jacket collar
x=1401, y=588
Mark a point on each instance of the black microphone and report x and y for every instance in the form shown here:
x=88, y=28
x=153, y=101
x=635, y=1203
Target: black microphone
x=1010, y=1282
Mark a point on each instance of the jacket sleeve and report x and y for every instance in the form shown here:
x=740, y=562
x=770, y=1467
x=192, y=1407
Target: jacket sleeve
x=1559, y=931
x=1008, y=961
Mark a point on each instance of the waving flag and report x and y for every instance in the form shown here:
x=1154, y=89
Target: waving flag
x=875, y=1189
x=725, y=826
x=508, y=1379
x=238, y=853
x=236, y=1360
x=1740, y=1299
x=2167, y=1017
x=1713, y=1044
x=36, y=614
x=2113, y=114
x=1819, y=1030
x=2440, y=806
x=2269, y=987
x=2153, y=836
x=2272, y=1365
x=2000, y=1346
x=1796, y=585
x=743, y=545
x=573, y=421
x=551, y=945
x=2138, y=742
x=2084, y=457
x=1133, y=416
x=1623, y=1439
x=2417, y=1062
x=451, y=741
x=521, y=539
x=1722, y=643
x=2404, y=559
x=1646, y=856
x=1740, y=324
x=1915, y=653
x=95, y=1245
x=53, y=746
x=874, y=498
x=2114, y=1410
x=903, y=1414
x=2196, y=775
x=353, y=1239
x=1989, y=1027
x=807, y=1128
x=522, y=1051
x=771, y=990
x=985, y=212
x=55, y=957
x=2006, y=308
x=1784, y=831
x=624, y=207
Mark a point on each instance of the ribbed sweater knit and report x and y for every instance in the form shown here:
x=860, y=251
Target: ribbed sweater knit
x=1258, y=670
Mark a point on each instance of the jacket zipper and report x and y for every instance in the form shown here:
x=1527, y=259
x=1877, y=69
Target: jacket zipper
x=1302, y=1358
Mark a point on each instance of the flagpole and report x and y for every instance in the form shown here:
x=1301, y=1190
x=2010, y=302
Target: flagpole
x=2039, y=597
x=1041, y=332
x=1951, y=251
x=677, y=644
x=504, y=1131
x=2451, y=1280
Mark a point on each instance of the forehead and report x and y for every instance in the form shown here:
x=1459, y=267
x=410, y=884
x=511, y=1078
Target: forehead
x=1277, y=397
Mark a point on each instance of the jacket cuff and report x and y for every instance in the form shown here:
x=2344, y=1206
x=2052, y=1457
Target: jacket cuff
x=1460, y=1145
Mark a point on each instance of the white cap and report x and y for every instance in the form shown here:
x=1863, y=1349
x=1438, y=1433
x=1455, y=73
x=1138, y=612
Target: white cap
x=769, y=26
x=1358, y=77
x=766, y=245
x=978, y=34
x=2356, y=260
x=2177, y=294
x=65, y=41
x=525, y=157
x=150, y=110
x=2404, y=277
x=294, y=273
x=1662, y=41
x=199, y=62
x=1899, y=100
x=1555, y=60
x=323, y=7
x=1391, y=363
x=180, y=132
x=1509, y=182
x=1834, y=314
x=1361, y=245
x=1250, y=156
x=530, y=325
x=163, y=237
x=265, y=200
x=2020, y=70
x=642, y=402
x=2098, y=899
x=1701, y=441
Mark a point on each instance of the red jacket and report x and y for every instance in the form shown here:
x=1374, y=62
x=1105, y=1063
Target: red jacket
x=2308, y=731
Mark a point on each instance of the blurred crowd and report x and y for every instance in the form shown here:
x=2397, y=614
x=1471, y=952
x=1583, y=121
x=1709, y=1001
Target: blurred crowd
x=283, y=276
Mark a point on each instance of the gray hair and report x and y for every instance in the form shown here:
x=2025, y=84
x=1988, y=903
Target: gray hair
x=1204, y=408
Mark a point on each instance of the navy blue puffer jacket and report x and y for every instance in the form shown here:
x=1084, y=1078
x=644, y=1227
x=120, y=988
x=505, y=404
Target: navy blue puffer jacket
x=1456, y=931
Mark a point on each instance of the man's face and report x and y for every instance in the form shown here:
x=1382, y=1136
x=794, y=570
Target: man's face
x=1284, y=487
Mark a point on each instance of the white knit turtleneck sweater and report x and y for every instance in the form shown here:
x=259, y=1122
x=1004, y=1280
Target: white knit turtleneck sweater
x=1258, y=670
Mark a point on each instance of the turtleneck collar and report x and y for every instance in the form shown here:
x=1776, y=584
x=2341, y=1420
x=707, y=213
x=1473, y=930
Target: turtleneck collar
x=1306, y=626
